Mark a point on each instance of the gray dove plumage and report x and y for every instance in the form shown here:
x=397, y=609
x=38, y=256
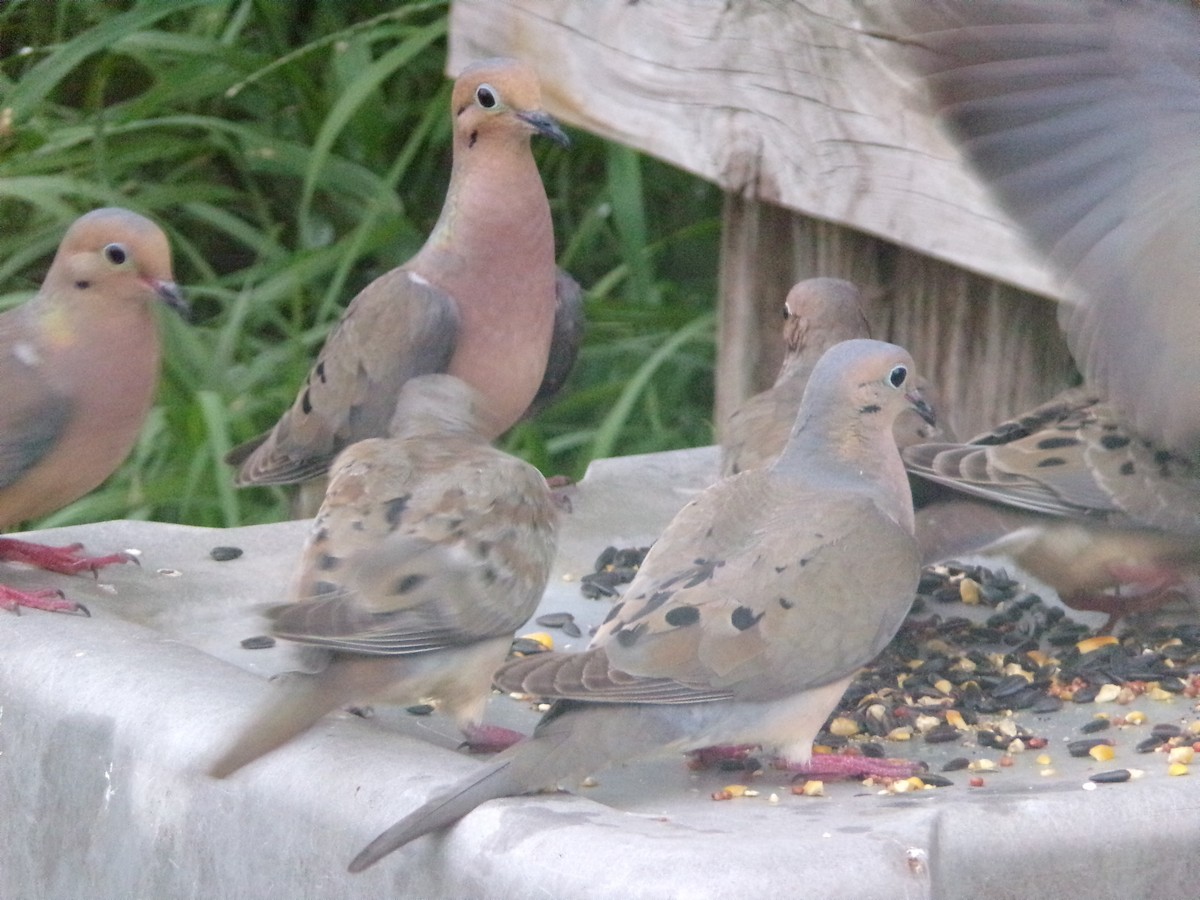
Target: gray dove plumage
x=430, y=549
x=1083, y=116
x=750, y=614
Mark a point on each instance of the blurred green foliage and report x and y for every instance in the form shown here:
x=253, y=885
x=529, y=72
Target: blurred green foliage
x=293, y=152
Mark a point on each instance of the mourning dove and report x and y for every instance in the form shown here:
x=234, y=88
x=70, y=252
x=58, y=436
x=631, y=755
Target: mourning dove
x=79, y=366
x=478, y=300
x=1075, y=497
x=430, y=549
x=1083, y=117
x=749, y=615
x=818, y=313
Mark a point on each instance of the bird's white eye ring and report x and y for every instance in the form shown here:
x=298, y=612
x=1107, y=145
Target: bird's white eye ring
x=486, y=96
x=116, y=254
x=897, y=376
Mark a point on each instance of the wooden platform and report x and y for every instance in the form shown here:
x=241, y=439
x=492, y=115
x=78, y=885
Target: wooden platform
x=805, y=116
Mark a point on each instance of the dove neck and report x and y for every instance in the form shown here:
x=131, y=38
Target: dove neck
x=844, y=446
x=496, y=218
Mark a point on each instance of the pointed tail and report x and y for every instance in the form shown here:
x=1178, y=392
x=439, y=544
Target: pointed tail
x=294, y=708
x=494, y=780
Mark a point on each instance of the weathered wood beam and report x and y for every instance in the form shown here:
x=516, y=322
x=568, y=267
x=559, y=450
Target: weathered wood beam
x=802, y=104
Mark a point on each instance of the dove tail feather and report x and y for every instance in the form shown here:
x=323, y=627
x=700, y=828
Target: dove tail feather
x=495, y=780
x=301, y=707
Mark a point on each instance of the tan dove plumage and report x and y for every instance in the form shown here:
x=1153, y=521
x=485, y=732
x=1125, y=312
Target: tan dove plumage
x=1083, y=116
x=1075, y=497
x=79, y=366
x=430, y=549
x=749, y=615
x=479, y=300
x=818, y=313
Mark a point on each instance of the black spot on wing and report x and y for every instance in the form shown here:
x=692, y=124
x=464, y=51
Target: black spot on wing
x=1053, y=443
x=327, y=561
x=305, y=403
x=320, y=371
x=744, y=617
x=408, y=583
x=657, y=599
x=786, y=603
x=612, y=613
x=393, y=510
x=870, y=409
x=1127, y=468
x=1050, y=462
x=321, y=588
x=1114, y=441
x=682, y=615
x=627, y=637
x=703, y=572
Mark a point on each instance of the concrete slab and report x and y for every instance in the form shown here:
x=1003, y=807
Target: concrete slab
x=107, y=723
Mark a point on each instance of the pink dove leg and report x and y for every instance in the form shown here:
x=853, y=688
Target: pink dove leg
x=65, y=560
x=50, y=600
x=842, y=765
x=1154, y=587
x=490, y=738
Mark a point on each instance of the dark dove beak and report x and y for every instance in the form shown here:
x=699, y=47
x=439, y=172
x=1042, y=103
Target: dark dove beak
x=921, y=405
x=172, y=296
x=543, y=124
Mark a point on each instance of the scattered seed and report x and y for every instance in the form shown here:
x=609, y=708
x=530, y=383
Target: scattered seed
x=843, y=726
x=1100, y=723
x=554, y=620
x=1150, y=744
x=813, y=788
x=1102, y=753
x=258, y=642
x=420, y=709
x=1184, y=755
x=1108, y=693
x=1087, y=645
x=1115, y=776
x=224, y=554
x=1083, y=746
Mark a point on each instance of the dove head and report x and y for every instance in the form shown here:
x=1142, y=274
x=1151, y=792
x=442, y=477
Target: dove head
x=856, y=391
x=500, y=99
x=438, y=404
x=113, y=255
x=821, y=312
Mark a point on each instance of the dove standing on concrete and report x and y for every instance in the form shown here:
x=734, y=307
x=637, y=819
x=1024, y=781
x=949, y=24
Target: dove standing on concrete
x=818, y=313
x=1083, y=115
x=1075, y=497
x=479, y=300
x=79, y=367
x=430, y=549
x=748, y=617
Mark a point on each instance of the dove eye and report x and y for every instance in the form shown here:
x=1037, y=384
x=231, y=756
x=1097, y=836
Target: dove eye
x=897, y=375
x=116, y=254
x=786, y=313
x=485, y=96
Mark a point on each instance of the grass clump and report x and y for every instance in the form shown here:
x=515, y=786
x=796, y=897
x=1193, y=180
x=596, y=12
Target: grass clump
x=294, y=152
